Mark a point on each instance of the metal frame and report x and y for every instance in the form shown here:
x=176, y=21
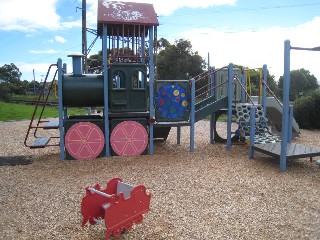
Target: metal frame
x=287, y=110
x=230, y=98
x=61, y=109
x=105, y=88
x=151, y=88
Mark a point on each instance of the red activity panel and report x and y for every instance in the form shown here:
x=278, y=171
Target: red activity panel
x=84, y=141
x=129, y=138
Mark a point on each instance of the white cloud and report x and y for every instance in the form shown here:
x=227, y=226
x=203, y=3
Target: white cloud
x=57, y=39
x=31, y=15
x=60, y=39
x=263, y=46
x=42, y=14
x=49, y=51
x=39, y=68
x=162, y=8
x=167, y=7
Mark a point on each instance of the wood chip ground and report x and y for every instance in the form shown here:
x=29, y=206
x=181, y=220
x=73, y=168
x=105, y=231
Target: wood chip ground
x=209, y=194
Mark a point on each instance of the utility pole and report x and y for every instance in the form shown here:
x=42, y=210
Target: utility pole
x=84, y=36
x=34, y=83
x=209, y=76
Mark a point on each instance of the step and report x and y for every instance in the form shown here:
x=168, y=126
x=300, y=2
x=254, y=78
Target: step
x=52, y=125
x=40, y=142
x=172, y=124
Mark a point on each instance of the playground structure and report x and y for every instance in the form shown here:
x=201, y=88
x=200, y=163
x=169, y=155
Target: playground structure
x=286, y=149
x=117, y=207
x=137, y=108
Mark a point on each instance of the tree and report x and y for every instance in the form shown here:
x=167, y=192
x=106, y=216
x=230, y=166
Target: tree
x=163, y=43
x=4, y=92
x=178, y=61
x=10, y=73
x=10, y=79
x=95, y=63
x=33, y=86
x=306, y=110
x=302, y=82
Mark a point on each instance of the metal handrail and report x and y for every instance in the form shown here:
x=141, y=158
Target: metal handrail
x=272, y=93
x=208, y=73
x=46, y=100
x=219, y=85
x=37, y=104
x=246, y=92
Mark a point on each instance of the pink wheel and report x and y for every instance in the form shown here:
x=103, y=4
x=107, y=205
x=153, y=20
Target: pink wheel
x=129, y=138
x=84, y=141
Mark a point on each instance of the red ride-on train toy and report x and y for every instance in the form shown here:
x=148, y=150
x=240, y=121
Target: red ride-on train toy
x=117, y=207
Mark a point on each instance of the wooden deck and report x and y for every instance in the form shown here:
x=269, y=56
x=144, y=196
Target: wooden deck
x=294, y=150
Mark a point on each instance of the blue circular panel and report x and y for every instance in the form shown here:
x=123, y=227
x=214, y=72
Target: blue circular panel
x=172, y=101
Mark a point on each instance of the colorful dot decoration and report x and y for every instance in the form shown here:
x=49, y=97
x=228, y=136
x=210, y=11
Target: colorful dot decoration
x=172, y=101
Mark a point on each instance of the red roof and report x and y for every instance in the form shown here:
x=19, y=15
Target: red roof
x=128, y=13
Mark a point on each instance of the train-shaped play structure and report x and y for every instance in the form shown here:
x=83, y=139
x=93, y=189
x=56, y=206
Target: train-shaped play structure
x=138, y=108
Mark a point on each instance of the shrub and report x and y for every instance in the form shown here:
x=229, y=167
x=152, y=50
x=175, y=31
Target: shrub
x=4, y=92
x=307, y=110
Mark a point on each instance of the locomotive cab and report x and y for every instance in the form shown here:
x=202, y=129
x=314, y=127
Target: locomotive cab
x=127, y=87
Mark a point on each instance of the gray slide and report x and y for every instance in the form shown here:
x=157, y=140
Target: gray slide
x=274, y=114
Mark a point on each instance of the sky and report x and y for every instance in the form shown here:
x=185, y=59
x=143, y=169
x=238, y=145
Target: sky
x=35, y=33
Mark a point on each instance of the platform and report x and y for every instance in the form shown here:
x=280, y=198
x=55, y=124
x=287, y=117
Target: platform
x=52, y=125
x=294, y=150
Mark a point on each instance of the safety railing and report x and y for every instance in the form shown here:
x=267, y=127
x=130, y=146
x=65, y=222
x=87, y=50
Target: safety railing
x=209, y=86
x=245, y=90
x=43, y=104
x=271, y=92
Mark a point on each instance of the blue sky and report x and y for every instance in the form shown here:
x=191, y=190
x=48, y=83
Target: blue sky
x=35, y=33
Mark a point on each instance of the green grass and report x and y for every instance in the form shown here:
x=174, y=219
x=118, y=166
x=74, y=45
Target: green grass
x=13, y=111
x=32, y=98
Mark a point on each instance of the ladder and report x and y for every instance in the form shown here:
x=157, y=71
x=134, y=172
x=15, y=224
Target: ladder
x=37, y=122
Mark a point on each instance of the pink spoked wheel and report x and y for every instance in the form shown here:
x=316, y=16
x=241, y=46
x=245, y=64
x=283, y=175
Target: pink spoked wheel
x=84, y=141
x=129, y=138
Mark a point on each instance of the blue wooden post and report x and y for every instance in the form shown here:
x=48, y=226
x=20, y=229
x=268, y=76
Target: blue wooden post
x=64, y=68
x=61, y=112
x=106, y=89
x=178, y=135
x=290, y=123
x=264, y=89
x=192, y=113
x=212, y=116
x=76, y=63
x=244, y=84
x=143, y=47
x=65, y=110
x=252, y=130
x=230, y=98
x=151, y=88
x=212, y=119
x=285, y=111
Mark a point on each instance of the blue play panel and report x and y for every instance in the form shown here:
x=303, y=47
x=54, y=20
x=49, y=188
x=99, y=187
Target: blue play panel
x=172, y=102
